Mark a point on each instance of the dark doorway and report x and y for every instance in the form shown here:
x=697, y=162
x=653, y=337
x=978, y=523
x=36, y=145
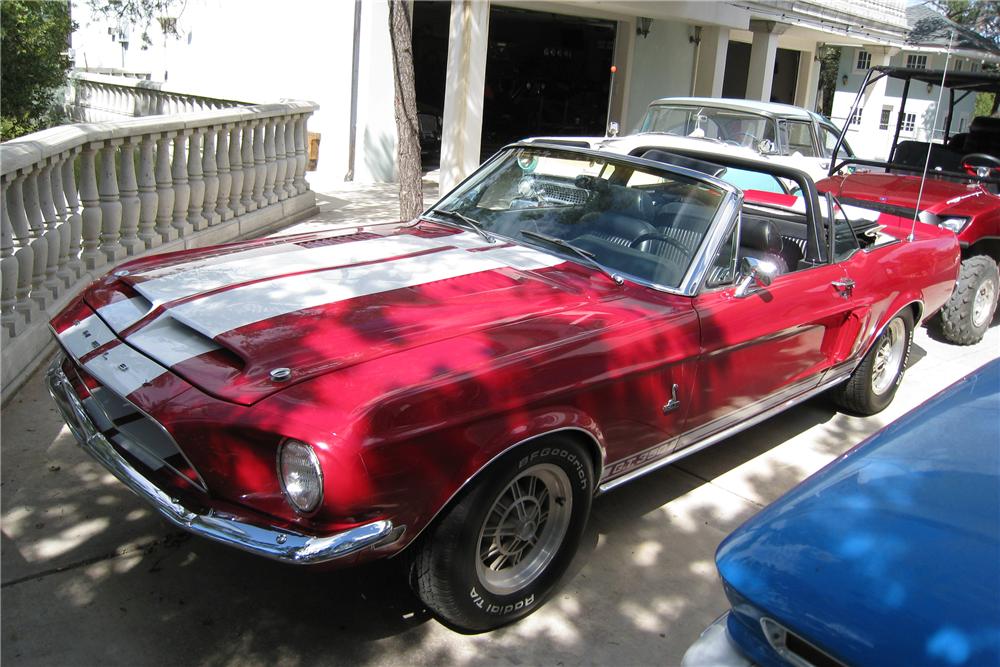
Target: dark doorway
x=546, y=74
x=784, y=78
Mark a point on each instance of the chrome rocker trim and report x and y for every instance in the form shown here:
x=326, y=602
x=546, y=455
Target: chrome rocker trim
x=262, y=540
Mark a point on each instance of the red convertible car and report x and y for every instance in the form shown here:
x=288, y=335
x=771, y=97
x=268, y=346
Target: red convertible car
x=454, y=391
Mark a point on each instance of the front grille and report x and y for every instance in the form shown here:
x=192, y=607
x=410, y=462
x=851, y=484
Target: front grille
x=131, y=429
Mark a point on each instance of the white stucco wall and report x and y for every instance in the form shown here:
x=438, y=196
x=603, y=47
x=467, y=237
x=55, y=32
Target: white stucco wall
x=867, y=139
x=260, y=51
x=661, y=67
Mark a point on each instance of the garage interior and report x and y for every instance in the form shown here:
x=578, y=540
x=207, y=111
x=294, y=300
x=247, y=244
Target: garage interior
x=546, y=74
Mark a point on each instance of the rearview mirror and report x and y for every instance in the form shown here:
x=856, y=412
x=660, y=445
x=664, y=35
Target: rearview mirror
x=754, y=273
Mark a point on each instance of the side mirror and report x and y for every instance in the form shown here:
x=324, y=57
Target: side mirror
x=613, y=129
x=766, y=147
x=754, y=273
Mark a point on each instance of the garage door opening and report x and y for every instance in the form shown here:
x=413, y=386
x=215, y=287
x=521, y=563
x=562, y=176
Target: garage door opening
x=546, y=74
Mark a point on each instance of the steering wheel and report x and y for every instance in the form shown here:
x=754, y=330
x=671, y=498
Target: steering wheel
x=663, y=237
x=972, y=161
x=740, y=136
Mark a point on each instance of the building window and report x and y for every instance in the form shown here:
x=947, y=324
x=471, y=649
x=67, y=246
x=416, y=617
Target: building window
x=909, y=122
x=863, y=61
x=856, y=118
x=958, y=65
x=973, y=67
x=883, y=121
x=916, y=61
x=961, y=125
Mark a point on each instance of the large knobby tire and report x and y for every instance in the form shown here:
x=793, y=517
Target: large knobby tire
x=498, y=552
x=968, y=313
x=873, y=383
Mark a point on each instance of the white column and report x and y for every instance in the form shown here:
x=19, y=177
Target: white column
x=762, y=53
x=711, y=61
x=807, y=82
x=463, y=102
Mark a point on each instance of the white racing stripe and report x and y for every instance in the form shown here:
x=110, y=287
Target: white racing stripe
x=170, y=342
x=238, y=307
x=123, y=370
x=124, y=313
x=85, y=336
x=289, y=258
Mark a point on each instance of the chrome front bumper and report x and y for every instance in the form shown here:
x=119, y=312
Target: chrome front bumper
x=714, y=648
x=263, y=540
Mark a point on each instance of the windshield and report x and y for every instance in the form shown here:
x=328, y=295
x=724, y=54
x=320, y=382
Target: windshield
x=639, y=223
x=738, y=128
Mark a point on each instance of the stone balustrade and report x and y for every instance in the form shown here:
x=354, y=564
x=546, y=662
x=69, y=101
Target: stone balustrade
x=94, y=98
x=78, y=199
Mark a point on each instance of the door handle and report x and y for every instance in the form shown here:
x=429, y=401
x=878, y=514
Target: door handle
x=673, y=403
x=844, y=287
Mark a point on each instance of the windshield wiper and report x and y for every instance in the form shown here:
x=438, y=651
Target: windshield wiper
x=475, y=225
x=585, y=255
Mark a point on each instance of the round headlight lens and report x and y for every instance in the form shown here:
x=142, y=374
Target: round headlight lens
x=300, y=475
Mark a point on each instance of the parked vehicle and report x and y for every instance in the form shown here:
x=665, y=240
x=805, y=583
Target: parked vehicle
x=455, y=390
x=779, y=133
x=888, y=556
x=961, y=192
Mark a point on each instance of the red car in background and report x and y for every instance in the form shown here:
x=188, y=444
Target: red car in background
x=960, y=191
x=454, y=391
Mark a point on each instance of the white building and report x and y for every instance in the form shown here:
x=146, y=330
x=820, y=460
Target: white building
x=932, y=43
x=494, y=70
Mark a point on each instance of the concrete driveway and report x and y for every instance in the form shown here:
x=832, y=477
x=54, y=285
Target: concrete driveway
x=91, y=576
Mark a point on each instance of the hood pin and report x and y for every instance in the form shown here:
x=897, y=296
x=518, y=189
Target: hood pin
x=281, y=374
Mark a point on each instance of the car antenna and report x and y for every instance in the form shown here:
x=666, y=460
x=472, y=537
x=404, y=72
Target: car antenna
x=930, y=144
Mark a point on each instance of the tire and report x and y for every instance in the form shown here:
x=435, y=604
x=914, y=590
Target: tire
x=873, y=384
x=475, y=583
x=970, y=309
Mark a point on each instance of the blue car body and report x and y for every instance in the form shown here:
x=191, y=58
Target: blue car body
x=888, y=556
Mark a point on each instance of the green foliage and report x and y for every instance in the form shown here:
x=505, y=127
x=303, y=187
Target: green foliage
x=980, y=16
x=130, y=15
x=34, y=38
x=985, y=104
x=828, y=70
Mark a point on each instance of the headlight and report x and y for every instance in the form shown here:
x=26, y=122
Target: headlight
x=955, y=224
x=300, y=475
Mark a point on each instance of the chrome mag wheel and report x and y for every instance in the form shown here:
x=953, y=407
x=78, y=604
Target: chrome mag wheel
x=889, y=357
x=982, y=304
x=524, y=528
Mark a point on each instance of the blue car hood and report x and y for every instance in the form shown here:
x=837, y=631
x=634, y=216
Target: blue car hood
x=891, y=554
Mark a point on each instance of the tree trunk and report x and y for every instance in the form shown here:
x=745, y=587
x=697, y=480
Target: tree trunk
x=411, y=196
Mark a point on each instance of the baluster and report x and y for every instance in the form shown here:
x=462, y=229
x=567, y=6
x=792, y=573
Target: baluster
x=90, y=198
x=196, y=180
x=270, y=163
x=66, y=276
x=164, y=189
x=235, y=171
x=129, y=189
x=148, y=198
x=182, y=190
x=280, y=159
x=225, y=178
x=259, y=164
x=73, y=217
x=53, y=281
x=25, y=306
x=10, y=320
x=41, y=291
x=301, y=185
x=249, y=171
x=111, y=204
x=211, y=172
x=290, y=159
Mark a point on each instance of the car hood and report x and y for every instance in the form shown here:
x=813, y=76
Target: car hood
x=225, y=318
x=898, y=193
x=893, y=549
